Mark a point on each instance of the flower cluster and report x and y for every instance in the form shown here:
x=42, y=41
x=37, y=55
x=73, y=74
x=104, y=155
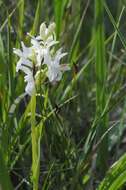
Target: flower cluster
x=40, y=53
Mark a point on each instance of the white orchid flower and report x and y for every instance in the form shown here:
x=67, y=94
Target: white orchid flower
x=25, y=53
x=40, y=52
x=41, y=48
x=24, y=63
x=30, y=87
x=55, y=70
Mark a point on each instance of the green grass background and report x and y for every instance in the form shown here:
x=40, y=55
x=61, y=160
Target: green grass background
x=79, y=130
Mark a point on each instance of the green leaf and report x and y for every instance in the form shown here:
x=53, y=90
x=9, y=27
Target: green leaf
x=116, y=176
x=101, y=68
x=59, y=7
x=120, y=35
x=37, y=17
x=5, y=183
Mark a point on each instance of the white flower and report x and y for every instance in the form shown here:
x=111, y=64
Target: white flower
x=25, y=53
x=55, y=70
x=24, y=63
x=30, y=87
x=40, y=53
x=46, y=34
x=39, y=50
x=41, y=44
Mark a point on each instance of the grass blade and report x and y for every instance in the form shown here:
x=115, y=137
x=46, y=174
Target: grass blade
x=122, y=38
x=59, y=7
x=116, y=176
x=37, y=17
x=5, y=183
x=100, y=82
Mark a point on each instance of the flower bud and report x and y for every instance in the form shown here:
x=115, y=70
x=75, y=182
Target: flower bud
x=43, y=30
x=52, y=27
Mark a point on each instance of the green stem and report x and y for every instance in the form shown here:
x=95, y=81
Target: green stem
x=35, y=145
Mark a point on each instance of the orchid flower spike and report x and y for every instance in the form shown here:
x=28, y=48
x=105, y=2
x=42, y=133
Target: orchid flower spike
x=34, y=59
